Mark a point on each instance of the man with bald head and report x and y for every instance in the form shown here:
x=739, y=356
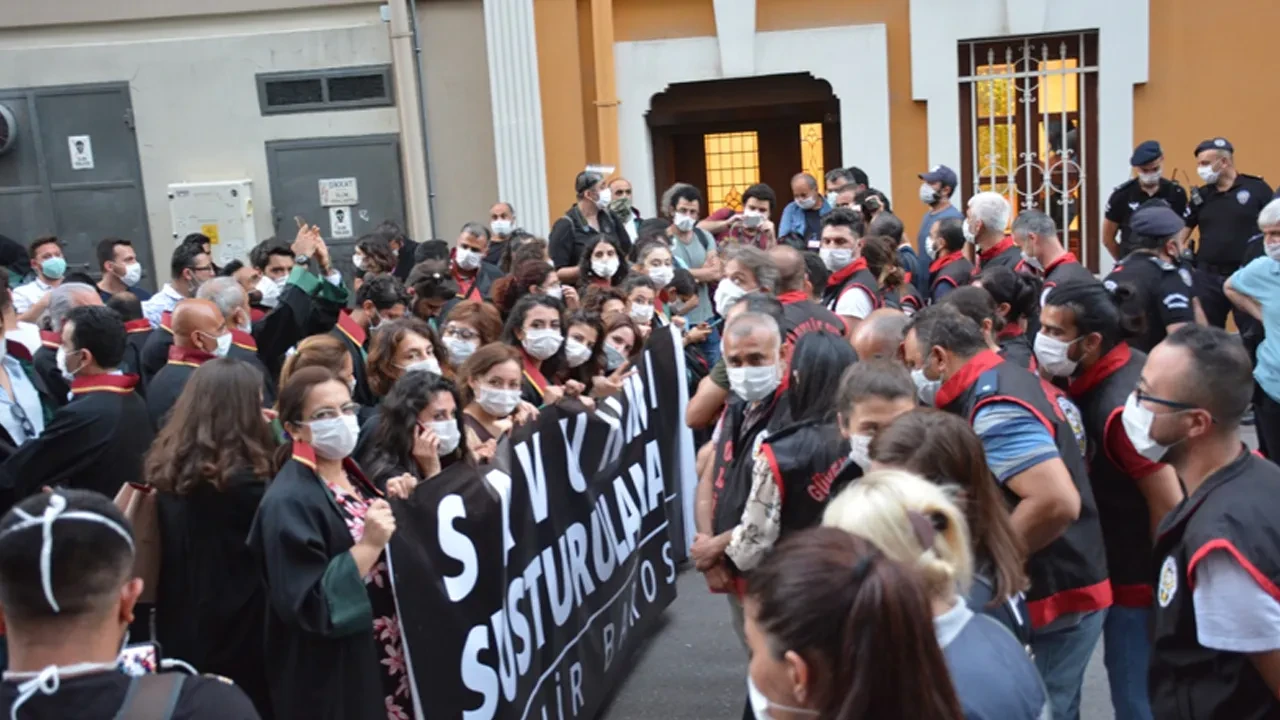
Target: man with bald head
x=802, y=217
x=801, y=314
x=62, y=300
x=200, y=333
x=880, y=334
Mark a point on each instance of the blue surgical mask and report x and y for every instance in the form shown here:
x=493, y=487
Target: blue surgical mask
x=54, y=268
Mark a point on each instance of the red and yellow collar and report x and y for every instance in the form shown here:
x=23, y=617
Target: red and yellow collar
x=140, y=325
x=304, y=454
x=945, y=260
x=51, y=340
x=349, y=327
x=105, y=382
x=243, y=340
x=191, y=357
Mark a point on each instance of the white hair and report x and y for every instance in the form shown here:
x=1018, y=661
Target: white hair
x=1270, y=215
x=225, y=292
x=992, y=209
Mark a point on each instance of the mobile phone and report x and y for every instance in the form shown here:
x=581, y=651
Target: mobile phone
x=715, y=321
x=140, y=659
x=301, y=223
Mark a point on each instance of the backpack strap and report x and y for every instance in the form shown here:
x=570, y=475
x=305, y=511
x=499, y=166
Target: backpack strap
x=152, y=697
x=704, y=238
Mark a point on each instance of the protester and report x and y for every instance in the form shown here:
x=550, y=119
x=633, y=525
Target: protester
x=1017, y=299
x=473, y=275
x=199, y=334
x=211, y=464
x=623, y=341
x=984, y=227
x=60, y=301
x=138, y=332
x=30, y=405
x=949, y=268
x=419, y=432
x=432, y=291
x=838, y=630
x=502, y=223
x=1033, y=440
x=583, y=347
x=803, y=216
x=872, y=393
x=654, y=261
x=642, y=298
x=381, y=300
x=880, y=335
x=324, y=351
x=601, y=264
x=26, y=333
x=490, y=380
x=937, y=189
x=696, y=250
x=67, y=593
x=894, y=279
x=801, y=314
x=852, y=291
x=752, y=226
x=405, y=250
x=889, y=226
x=975, y=303
x=49, y=267
x=581, y=224
x=121, y=271
x=233, y=303
x=530, y=277
x=953, y=457
x=1154, y=273
x=871, y=203
x=402, y=346
x=469, y=326
x=189, y=267
x=523, y=246
x=605, y=302
x=332, y=630
x=535, y=329
x=1255, y=290
x=1214, y=647
x=914, y=522
x=1037, y=236
x=372, y=256
x=275, y=260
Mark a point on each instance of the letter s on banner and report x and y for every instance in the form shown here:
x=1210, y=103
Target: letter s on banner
x=479, y=677
x=457, y=546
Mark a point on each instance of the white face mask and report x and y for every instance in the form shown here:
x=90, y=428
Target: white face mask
x=662, y=274
x=831, y=198
x=555, y=291
x=223, y=345
x=542, y=344
x=1207, y=174
x=1051, y=353
x=467, y=258
x=501, y=228
x=684, y=223
x=447, y=434
x=1273, y=252
x=498, y=403
x=270, y=290
x=459, y=349
x=641, y=313
x=928, y=195
x=61, y=360
x=969, y=235
x=860, y=450
x=836, y=258
x=576, y=353
x=926, y=389
x=1150, y=178
x=760, y=704
x=929, y=247
x=807, y=203
x=727, y=293
x=335, y=438
x=132, y=274
x=357, y=261
x=606, y=197
x=429, y=364
x=754, y=383
x=604, y=268
x=1137, y=425
x=752, y=218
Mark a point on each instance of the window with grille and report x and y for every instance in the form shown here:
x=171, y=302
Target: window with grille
x=318, y=90
x=811, y=153
x=1028, y=111
x=733, y=165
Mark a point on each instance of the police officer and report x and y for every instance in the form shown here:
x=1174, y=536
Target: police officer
x=1148, y=161
x=1153, y=277
x=1215, y=649
x=1226, y=210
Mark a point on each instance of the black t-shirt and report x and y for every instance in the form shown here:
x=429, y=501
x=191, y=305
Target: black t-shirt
x=1129, y=196
x=99, y=696
x=1226, y=220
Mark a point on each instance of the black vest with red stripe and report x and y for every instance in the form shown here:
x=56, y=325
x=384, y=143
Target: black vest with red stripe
x=806, y=459
x=904, y=298
x=801, y=316
x=1006, y=253
x=1070, y=575
x=1101, y=394
x=952, y=269
x=855, y=275
x=732, y=472
x=1066, y=269
x=1234, y=511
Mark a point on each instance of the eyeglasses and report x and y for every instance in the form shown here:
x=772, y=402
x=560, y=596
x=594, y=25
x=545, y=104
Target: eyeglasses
x=330, y=413
x=202, y=268
x=464, y=333
x=1180, y=406
x=24, y=422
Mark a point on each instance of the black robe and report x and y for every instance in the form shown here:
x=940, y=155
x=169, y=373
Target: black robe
x=356, y=340
x=46, y=364
x=138, y=332
x=168, y=384
x=319, y=625
x=96, y=442
x=211, y=598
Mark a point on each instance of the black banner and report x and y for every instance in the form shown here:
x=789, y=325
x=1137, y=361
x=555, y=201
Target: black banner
x=522, y=589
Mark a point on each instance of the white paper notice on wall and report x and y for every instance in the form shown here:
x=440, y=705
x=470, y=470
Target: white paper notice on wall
x=335, y=192
x=81, y=148
x=340, y=223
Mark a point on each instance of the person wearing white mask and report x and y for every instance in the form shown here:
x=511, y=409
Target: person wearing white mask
x=581, y=223
x=696, y=249
x=601, y=264
x=1036, y=235
x=320, y=536
x=121, y=271
x=655, y=261
x=381, y=300
x=502, y=222
x=67, y=617
x=535, y=327
x=1082, y=340
x=490, y=381
x=469, y=326
x=984, y=227
x=1255, y=291
x=473, y=274
x=852, y=290
x=803, y=216
x=1215, y=612
x=642, y=297
x=751, y=226
x=401, y=347
x=419, y=431
x=200, y=333
x=1148, y=183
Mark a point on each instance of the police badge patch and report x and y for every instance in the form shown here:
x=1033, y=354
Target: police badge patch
x=1075, y=420
x=1185, y=274
x=1168, y=582
x=1242, y=197
x=1133, y=206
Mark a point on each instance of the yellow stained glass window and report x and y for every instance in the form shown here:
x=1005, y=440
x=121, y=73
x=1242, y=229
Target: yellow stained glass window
x=1058, y=89
x=733, y=165
x=811, y=159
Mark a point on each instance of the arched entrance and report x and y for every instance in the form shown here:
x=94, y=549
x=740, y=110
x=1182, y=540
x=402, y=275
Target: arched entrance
x=724, y=135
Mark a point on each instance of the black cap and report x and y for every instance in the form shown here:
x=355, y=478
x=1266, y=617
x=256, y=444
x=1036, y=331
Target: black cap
x=1155, y=219
x=1217, y=143
x=1147, y=152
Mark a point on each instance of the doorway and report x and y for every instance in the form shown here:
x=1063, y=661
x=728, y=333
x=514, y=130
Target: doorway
x=723, y=136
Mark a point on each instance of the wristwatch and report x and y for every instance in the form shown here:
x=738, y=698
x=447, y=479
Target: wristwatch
x=301, y=259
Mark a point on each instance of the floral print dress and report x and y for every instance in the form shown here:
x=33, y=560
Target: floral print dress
x=386, y=625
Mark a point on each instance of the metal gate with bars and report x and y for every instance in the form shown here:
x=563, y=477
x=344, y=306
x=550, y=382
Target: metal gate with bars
x=1029, y=129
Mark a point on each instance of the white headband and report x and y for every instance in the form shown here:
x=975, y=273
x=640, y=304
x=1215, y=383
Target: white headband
x=52, y=513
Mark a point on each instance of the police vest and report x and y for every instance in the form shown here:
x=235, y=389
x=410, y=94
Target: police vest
x=1234, y=511
x=806, y=459
x=731, y=482
x=904, y=298
x=1004, y=253
x=1101, y=394
x=1070, y=575
x=953, y=269
x=801, y=316
x=855, y=275
x=1015, y=347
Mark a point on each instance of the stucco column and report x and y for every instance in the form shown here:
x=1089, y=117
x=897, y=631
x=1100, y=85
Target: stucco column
x=606, y=100
x=413, y=158
x=511, y=46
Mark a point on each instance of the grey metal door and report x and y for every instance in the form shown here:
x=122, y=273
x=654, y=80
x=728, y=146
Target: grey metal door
x=79, y=190
x=297, y=169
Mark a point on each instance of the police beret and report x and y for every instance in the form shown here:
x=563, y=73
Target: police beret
x=1155, y=219
x=1147, y=152
x=1217, y=143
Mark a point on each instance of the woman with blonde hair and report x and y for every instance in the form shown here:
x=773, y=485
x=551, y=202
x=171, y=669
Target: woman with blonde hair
x=916, y=522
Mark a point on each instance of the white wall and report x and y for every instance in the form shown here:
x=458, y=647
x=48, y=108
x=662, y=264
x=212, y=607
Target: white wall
x=195, y=99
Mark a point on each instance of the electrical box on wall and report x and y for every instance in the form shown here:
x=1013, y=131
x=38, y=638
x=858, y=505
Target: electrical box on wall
x=221, y=210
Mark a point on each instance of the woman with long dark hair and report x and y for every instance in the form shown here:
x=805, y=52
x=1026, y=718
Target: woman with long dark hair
x=531, y=277
x=401, y=346
x=838, y=631
x=491, y=382
x=602, y=264
x=535, y=328
x=1017, y=297
x=210, y=464
x=953, y=455
x=468, y=326
x=419, y=432
x=896, y=289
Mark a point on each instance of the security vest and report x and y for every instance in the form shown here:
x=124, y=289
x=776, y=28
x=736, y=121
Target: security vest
x=731, y=482
x=806, y=460
x=853, y=275
x=1070, y=574
x=952, y=269
x=801, y=316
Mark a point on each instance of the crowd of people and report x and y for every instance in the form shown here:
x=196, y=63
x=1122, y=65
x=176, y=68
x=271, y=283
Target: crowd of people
x=935, y=469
